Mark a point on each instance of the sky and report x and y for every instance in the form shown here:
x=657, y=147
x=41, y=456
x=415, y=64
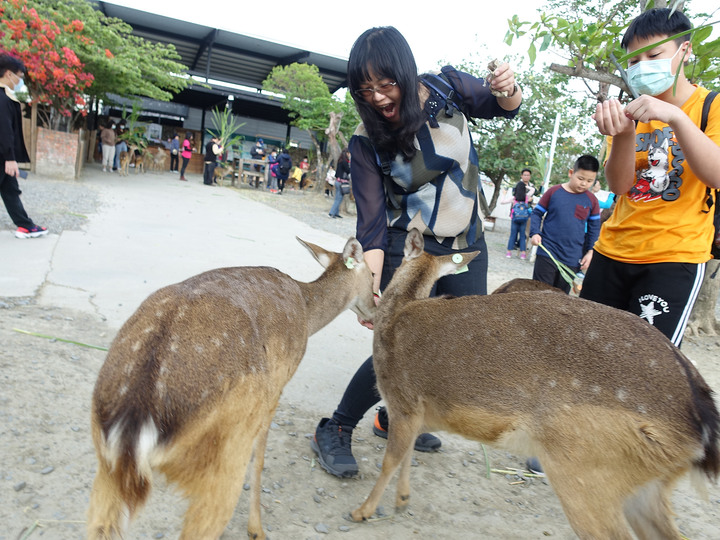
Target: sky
x=448, y=32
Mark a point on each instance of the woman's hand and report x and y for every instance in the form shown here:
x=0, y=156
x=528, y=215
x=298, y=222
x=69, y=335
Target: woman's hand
x=366, y=324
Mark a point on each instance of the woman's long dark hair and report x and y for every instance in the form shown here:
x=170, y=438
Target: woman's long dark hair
x=385, y=52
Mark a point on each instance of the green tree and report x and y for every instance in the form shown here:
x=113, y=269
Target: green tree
x=120, y=62
x=505, y=146
x=226, y=125
x=312, y=108
x=586, y=33
x=57, y=78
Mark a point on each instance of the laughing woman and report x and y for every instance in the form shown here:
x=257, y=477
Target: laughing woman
x=413, y=166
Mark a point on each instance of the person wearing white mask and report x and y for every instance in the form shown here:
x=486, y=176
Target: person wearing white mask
x=12, y=146
x=663, y=167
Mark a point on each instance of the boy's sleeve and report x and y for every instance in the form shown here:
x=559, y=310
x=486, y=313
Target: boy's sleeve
x=538, y=212
x=7, y=136
x=593, y=225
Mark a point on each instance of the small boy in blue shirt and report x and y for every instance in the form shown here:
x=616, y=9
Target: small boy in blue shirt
x=571, y=225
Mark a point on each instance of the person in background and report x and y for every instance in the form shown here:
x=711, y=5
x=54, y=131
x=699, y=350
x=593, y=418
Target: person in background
x=395, y=190
x=342, y=178
x=304, y=170
x=212, y=150
x=522, y=193
x=258, y=152
x=284, y=165
x=12, y=146
x=272, y=164
x=605, y=198
x=120, y=147
x=108, y=139
x=174, y=153
x=186, y=153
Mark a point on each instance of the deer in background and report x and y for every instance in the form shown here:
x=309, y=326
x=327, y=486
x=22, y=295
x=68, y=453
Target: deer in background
x=613, y=410
x=191, y=382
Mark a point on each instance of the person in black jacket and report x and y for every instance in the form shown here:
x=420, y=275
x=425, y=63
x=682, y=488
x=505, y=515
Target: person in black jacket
x=342, y=178
x=212, y=150
x=12, y=146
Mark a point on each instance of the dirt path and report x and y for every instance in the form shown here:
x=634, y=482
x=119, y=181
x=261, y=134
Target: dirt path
x=48, y=462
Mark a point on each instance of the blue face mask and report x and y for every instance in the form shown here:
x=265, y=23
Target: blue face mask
x=652, y=77
x=20, y=85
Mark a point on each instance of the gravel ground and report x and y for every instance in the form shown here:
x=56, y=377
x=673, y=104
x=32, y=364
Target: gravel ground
x=48, y=461
x=56, y=204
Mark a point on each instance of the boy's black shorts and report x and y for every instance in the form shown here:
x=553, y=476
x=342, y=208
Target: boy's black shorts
x=661, y=293
x=546, y=271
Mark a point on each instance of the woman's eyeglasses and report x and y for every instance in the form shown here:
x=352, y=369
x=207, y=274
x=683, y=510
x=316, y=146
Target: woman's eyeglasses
x=383, y=89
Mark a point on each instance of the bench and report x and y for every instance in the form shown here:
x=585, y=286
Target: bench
x=246, y=172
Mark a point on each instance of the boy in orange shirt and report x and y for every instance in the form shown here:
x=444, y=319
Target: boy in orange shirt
x=651, y=254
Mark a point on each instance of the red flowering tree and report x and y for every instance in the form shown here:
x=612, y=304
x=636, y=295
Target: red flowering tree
x=56, y=78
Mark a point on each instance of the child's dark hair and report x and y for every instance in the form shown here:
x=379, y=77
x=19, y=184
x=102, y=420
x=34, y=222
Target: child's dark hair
x=587, y=163
x=657, y=22
x=10, y=63
x=386, y=53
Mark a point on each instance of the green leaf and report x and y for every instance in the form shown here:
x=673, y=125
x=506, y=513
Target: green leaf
x=532, y=53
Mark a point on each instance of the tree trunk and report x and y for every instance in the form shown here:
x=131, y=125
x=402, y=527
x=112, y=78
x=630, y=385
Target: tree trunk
x=703, y=319
x=332, y=132
x=33, y=136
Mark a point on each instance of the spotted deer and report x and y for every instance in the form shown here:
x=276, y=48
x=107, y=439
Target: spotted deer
x=191, y=382
x=613, y=410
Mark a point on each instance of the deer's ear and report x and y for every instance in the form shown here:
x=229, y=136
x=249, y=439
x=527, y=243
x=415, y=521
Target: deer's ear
x=414, y=244
x=455, y=263
x=352, y=253
x=322, y=256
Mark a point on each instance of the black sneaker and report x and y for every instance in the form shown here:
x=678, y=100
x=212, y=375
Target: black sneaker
x=426, y=442
x=533, y=465
x=332, y=446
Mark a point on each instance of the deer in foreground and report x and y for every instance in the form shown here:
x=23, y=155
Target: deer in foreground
x=613, y=410
x=192, y=380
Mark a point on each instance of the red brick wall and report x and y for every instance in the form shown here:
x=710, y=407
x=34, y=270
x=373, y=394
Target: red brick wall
x=56, y=153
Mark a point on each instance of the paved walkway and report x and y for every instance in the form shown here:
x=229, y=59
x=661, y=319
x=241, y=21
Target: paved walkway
x=153, y=230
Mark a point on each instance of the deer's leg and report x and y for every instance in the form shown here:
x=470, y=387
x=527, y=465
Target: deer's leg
x=591, y=499
x=108, y=514
x=214, y=493
x=411, y=428
x=401, y=438
x=650, y=513
x=209, y=462
x=255, y=530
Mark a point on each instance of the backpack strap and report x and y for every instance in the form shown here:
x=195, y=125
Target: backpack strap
x=440, y=85
x=703, y=124
x=706, y=110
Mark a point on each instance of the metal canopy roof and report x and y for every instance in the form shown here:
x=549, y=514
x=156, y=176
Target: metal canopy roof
x=225, y=56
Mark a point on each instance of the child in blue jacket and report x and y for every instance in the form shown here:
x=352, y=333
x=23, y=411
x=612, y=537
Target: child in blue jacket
x=571, y=225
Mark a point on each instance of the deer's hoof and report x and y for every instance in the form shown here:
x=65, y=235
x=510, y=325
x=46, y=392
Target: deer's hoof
x=358, y=516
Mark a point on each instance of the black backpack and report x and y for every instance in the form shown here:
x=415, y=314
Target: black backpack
x=711, y=201
x=284, y=164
